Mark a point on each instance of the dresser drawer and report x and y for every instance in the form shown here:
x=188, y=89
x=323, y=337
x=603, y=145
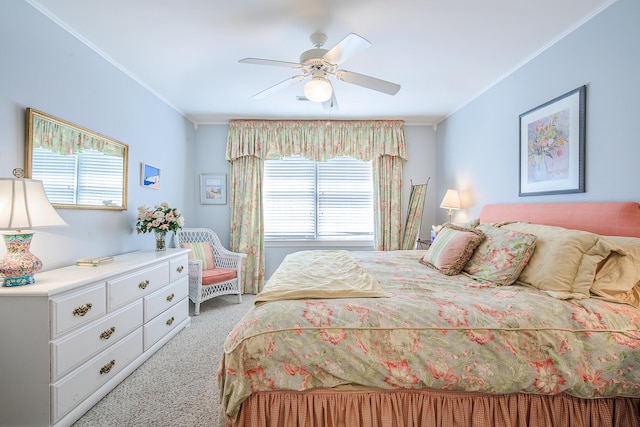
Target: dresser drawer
x=127, y=288
x=77, y=308
x=179, y=268
x=78, y=346
x=74, y=388
x=165, y=298
x=165, y=322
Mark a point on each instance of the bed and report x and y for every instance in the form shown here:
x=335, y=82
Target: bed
x=426, y=347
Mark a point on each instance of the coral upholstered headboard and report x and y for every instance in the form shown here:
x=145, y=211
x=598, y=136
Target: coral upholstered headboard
x=604, y=218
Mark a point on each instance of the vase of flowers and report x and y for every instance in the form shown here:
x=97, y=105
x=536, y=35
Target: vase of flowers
x=160, y=219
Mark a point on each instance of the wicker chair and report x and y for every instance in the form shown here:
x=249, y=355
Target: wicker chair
x=213, y=270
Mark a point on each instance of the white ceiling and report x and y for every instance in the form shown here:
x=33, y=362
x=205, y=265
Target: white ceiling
x=443, y=53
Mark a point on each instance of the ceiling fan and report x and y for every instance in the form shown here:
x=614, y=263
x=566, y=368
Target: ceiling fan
x=318, y=63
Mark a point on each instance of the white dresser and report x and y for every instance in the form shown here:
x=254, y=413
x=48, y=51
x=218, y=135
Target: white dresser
x=71, y=337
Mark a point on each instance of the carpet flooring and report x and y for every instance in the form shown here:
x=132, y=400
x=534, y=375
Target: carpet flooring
x=178, y=385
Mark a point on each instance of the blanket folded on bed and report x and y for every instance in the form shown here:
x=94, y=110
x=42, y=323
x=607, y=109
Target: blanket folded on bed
x=320, y=274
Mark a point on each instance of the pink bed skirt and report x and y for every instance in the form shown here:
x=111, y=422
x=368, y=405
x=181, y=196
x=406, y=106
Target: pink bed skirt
x=395, y=408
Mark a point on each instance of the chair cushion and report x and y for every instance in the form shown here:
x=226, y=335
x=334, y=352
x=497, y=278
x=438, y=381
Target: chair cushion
x=201, y=251
x=217, y=275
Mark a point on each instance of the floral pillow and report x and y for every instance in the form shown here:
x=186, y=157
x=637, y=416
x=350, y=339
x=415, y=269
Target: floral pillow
x=453, y=247
x=501, y=257
x=201, y=251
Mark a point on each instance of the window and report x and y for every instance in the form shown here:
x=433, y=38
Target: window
x=308, y=200
x=87, y=178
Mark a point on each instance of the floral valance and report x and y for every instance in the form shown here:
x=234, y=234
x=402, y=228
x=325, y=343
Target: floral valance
x=64, y=139
x=318, y=140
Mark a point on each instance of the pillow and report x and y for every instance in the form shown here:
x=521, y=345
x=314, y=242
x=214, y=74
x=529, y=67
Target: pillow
x=201, y=251
x=501, y=257
x=618, y=277
x=452, y=249
x=472, y=223
x=564, y=261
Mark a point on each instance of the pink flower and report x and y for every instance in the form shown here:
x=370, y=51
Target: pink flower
x=334, y=336
x=400, y=374
x=318, y=314
x=259, y=380
x=453, y=314
x=549, y=381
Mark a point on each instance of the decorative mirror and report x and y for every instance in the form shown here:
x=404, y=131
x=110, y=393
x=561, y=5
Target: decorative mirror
x=79, y=169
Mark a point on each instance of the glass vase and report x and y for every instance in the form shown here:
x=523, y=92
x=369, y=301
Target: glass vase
x=161, y=237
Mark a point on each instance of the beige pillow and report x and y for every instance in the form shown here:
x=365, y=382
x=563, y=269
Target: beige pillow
x=618, y=277
x=565, y=261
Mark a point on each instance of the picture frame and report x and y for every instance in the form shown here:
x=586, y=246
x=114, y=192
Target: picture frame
x=213, y=189
x=149, y=176
x=58, y=152
x=552, y=144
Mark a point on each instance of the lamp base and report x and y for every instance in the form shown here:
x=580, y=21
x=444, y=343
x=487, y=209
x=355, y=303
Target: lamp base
x=19, y=281
x=18, y=265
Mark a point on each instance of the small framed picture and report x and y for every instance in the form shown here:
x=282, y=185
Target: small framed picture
x=213, y=189
x=149, y=176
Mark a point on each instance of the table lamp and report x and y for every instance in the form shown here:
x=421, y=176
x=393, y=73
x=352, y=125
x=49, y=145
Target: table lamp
x=23, y=205
x=451, y=202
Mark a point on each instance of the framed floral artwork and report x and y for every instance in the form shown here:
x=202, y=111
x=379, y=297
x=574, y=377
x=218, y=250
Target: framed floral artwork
x=213, y=189
x=552, y=139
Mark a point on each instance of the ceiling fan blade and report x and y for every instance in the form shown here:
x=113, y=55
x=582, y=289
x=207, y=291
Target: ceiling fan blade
x=367, y=81
x=349, y=46
x=259, y=61
x=279, y=86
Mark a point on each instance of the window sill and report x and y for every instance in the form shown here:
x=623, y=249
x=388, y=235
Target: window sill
x=319, y=243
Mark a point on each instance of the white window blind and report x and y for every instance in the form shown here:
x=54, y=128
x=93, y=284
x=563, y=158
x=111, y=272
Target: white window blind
x=97, y=177
x=308, y=200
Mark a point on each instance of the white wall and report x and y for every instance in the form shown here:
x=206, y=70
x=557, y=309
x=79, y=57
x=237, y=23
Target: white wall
x=478, y=146
x=46, y=68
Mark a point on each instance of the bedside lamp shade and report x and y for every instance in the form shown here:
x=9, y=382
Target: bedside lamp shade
x=23, y=205
x=451, y=201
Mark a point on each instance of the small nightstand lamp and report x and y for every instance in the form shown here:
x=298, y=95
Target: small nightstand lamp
x=451, y=202
x=23, y=205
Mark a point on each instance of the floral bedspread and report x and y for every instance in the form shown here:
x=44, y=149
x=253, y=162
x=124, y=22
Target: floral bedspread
x=435, y=332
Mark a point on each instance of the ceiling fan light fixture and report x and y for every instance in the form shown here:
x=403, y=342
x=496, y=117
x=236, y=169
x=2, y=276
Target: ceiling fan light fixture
x=318, y=89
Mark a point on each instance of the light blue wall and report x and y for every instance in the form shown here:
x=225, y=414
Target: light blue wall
x=46, y=68
x=478, y=146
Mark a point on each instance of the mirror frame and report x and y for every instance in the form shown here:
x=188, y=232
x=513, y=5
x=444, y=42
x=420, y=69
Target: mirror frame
x=33, y=114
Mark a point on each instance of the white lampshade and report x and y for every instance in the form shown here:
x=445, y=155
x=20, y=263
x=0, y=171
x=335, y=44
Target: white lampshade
x=451, y=200
x=318, y=89
x=24, y=205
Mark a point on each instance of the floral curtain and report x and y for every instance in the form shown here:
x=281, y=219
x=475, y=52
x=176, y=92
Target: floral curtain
x=246, y=219
x=67, y=139
x=414, y=216
x=250, y=142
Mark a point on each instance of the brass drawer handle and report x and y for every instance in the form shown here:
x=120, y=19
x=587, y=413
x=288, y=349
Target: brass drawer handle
x=170, y=297
x=180, y=269
x=106, y=368
x=143, y=285
x=82, y=310
x=107, y=333
x=170, y=321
